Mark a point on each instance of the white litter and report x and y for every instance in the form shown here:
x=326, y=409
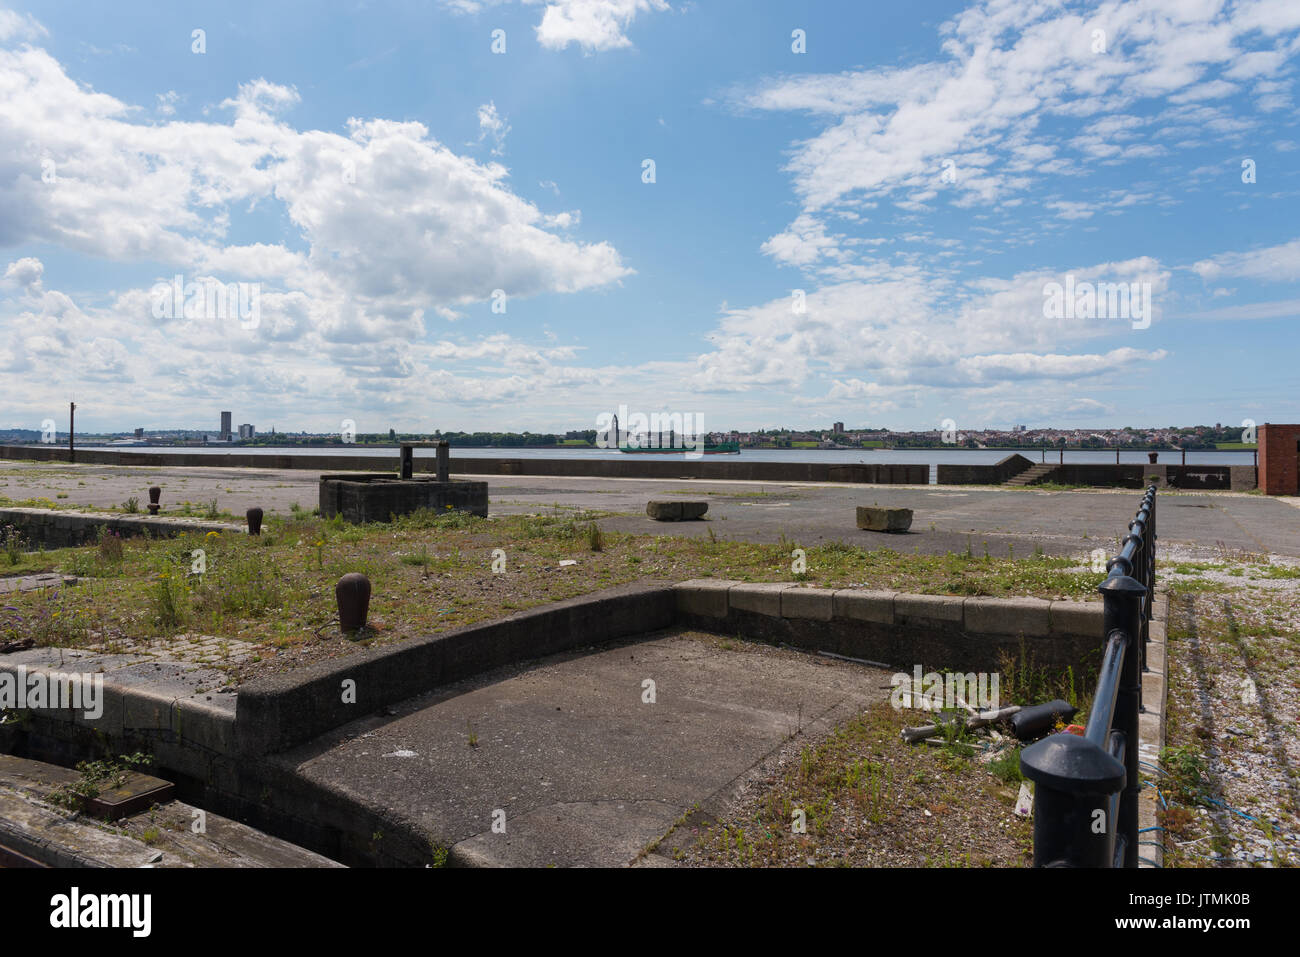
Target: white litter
x=1025, y=801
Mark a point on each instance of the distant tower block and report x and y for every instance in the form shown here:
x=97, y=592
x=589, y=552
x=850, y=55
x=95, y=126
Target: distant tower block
x=225, y=426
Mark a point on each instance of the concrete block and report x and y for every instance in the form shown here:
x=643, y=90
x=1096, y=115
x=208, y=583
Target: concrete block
x=146, y=710
x=874, y=518
x=113, y=709
x=908, y=608
x=815, y=603
x=675, y=511
x=703, y=596
x=206, y=724
x=762, y=598
x=1077, y=618
x=1008, y=616
x=859, y=604
x=1156, y=656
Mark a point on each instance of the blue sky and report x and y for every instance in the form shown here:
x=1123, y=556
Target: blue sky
x=375, y=173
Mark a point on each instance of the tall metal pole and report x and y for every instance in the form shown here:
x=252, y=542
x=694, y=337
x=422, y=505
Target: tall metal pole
x=72, y=448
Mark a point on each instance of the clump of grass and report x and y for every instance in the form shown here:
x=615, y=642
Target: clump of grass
x=420, y=558
x=131, y=505
x=595, y=538
x=13, y=544
x=1023, y=682
x=168, y=601
x=1188, y=773
x=110, y=545
x=437, y=519
x=242, y=580
x=212, y=510
x=1006, y=767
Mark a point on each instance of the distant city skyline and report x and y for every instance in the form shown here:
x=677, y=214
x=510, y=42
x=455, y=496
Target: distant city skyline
x=400, y=215
x=954, y=436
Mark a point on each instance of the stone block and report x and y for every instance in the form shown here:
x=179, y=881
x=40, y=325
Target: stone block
x=762, y=598
x=147, y=710
x=205, y=723
x=1077, y=618
x=908, y=608
x=676, y=511
x=814, y=603
x=875, y=518
x=703, y=596
x=1008, y=616
x=857, y=604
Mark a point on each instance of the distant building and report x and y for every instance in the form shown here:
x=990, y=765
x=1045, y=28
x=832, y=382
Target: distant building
x=838, y=428
x=139, y=433
x=225, y=426
x=246, y=431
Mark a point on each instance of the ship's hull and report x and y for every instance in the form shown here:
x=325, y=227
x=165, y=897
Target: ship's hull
x=677, y=450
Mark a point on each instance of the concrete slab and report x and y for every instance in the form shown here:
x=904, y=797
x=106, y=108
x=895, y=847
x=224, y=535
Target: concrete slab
x=574, y=759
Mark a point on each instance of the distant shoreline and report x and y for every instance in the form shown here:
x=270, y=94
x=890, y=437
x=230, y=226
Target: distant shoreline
x=1009, y=449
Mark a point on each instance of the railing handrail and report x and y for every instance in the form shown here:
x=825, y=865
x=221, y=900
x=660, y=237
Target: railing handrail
x=1084, y=781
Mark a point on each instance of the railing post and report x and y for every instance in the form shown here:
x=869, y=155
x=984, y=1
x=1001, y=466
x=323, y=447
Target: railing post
x=1073, y=780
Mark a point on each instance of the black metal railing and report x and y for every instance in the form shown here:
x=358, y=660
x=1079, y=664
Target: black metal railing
x=1086, y=787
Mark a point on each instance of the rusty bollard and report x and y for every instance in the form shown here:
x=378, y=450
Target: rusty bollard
x=353, y=594
x=155, y=493
x=254, y=521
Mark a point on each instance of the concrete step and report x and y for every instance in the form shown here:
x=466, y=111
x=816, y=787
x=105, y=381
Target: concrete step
x=1032, y=475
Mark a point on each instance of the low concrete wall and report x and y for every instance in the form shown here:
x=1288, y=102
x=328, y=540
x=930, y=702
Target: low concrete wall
x=54, y=528
x=341, y=462
x=630, y=466
x=1244, y=478
x=995, y=474
x=734, y=469
x=1239, y=478
x=280, y=711
x=899, y=630
x=243, y=765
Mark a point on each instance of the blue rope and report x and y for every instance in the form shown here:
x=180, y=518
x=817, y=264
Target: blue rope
x=1232, y=809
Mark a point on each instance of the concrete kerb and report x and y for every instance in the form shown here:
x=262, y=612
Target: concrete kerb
x=58, y=528
x=1152, y=726
x=234, y=742
x=832, y=619
x=130, y=711
x=275, y=713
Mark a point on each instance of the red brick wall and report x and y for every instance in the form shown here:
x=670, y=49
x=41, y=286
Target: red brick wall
x=1278, y=459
